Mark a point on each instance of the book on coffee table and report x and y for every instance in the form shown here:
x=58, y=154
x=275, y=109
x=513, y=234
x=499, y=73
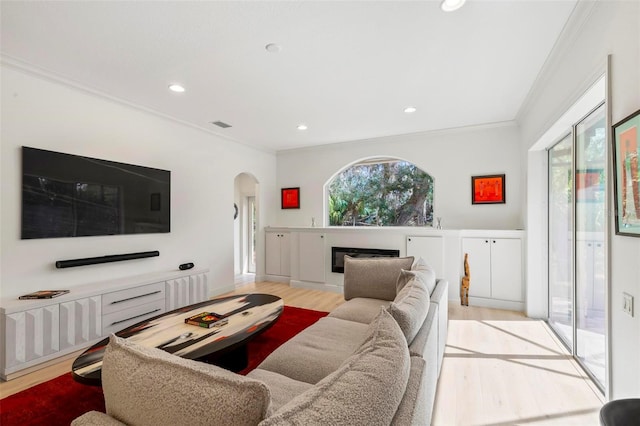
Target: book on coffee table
x=43, y=294
x=207, y=320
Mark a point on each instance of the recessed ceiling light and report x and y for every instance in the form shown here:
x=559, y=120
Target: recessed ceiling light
x=302, y=127
x=409, y=110
x=273, y=48
x=176, y=88
x=451, y=5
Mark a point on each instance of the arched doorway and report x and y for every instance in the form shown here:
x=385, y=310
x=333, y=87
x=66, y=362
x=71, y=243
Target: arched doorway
x=245, y=227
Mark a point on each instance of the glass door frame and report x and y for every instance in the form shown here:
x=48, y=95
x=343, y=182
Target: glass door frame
x=574, y=284
x=569, y=345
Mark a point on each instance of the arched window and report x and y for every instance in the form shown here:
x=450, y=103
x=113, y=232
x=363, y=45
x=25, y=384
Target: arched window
x=381, y=192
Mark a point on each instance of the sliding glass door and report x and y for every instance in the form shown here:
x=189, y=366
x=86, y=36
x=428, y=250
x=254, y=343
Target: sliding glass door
x=591, y=226
x=561, y=239
x=577, y=236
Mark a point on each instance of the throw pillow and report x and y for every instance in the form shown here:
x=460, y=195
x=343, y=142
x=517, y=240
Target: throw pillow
x=410, y=308
x=148, y=386
x=426, y=272
x=404, y=277
x=366, y=389
x=374, y=278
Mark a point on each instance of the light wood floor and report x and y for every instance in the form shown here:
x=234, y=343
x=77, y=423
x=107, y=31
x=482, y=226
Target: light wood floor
x=500, y=368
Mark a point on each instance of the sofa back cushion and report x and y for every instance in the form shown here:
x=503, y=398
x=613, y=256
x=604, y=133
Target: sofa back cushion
x=426, y=273
x=374, y=278
x=147, y=386
x=366, y=389
x=411, y=305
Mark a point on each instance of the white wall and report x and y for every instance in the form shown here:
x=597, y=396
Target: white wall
x=599, y=29
x=42, y=113
x=451, y=157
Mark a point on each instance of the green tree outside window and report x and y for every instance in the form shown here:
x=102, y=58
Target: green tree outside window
x=381, y=193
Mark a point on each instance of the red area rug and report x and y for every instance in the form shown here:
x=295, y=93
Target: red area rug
x=59, y=401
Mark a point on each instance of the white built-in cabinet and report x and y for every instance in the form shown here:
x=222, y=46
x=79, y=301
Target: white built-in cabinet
x=303, y=256
x=35, y=331
x=185, y=291
x=198, y=288
x=311, y=257
x=277, y=255
x=495, y=266
x=80, y=321
x=121, y=309
x=431, y=249
x=177, y=294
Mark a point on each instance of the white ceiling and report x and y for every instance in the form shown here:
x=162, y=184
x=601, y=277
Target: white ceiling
x=347, y=69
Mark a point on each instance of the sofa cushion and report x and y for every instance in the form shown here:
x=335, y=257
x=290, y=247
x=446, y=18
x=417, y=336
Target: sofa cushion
x=283, y=389
x=426, y=272
x=374, y=278
x=415, y=407
x=366, y=389
x=318, y=351
x=147, y=386
x=411, y=307
x=93, y=418
x=360, y=309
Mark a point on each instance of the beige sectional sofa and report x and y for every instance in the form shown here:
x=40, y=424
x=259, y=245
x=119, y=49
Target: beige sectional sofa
x=375, y=360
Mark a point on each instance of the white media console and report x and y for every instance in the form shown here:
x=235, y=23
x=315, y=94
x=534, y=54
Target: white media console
x=37, y=331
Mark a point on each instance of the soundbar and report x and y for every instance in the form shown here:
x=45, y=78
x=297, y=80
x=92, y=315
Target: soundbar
x=104, y=259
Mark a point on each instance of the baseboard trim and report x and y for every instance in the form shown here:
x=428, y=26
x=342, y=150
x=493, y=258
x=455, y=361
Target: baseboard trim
x=44, y=364
x=496, y=304
x=273, y=278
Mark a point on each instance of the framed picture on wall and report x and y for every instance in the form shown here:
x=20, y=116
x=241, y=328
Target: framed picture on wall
x=625, y=164
x=290, y=198
x=488, y=189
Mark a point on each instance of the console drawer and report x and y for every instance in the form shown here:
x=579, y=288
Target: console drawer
x=122, y=319
x=124, y=299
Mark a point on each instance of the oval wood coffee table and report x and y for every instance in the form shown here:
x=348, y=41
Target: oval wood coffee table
x=248, y=315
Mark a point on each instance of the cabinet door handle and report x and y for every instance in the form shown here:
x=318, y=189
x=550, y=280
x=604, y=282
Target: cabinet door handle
x=137, y=316
x=135, y=297
x=409, y=239
x=494, y=241
x=486, y=241
x=321, y=236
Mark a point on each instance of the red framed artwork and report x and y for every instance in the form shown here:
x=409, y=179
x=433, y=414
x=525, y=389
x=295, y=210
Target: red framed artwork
x=290, y=198
x=487, y=189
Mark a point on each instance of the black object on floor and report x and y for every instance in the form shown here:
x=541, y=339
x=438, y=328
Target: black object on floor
x=621, y=412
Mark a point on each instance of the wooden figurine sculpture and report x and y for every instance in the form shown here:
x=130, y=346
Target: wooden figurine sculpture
x=464, y=287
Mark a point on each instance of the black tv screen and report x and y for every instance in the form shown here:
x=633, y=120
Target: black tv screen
x=67, y=195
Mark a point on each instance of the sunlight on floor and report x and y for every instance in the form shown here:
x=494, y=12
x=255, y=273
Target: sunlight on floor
x=501, y=368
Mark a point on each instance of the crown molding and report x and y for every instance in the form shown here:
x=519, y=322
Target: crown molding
x=47, y=75
x=565, y=42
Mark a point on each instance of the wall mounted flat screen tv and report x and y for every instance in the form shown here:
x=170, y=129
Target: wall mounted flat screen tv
x=67, y=195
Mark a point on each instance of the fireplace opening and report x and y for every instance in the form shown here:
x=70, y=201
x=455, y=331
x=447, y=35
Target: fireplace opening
x=338, y=254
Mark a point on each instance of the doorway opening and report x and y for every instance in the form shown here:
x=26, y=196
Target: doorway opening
x=245, y=228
